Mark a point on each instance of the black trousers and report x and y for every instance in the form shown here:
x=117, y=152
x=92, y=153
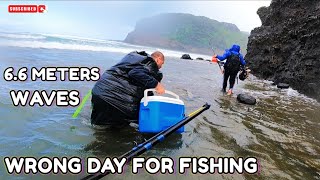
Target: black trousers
x=232, y=79
x=105, y=114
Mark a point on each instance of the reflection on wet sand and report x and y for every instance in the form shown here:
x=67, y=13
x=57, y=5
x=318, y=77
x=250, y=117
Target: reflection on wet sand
x=113, y=142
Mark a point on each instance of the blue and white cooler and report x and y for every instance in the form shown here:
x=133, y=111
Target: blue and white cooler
x=157, y=113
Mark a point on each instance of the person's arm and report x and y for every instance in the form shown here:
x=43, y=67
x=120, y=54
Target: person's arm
x=159, y=76
x=142, y=75
x=224, y=56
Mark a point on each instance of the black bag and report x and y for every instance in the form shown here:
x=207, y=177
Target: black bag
x=243, y=75
x=233, y=63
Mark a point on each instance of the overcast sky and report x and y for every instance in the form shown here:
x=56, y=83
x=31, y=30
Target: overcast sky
x=114, y=19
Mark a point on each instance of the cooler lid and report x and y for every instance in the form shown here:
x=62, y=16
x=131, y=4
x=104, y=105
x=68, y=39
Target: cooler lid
x=155, y=98
x=163, y=99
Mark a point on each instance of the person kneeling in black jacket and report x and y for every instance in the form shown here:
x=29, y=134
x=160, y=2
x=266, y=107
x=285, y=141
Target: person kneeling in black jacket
x=116, y=95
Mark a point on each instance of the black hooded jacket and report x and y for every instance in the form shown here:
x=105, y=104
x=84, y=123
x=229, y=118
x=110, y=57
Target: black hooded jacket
x=123, y=85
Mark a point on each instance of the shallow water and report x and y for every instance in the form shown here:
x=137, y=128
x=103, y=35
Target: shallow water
x=281, y=130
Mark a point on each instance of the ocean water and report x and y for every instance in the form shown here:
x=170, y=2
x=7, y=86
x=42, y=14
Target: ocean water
x=281, y=130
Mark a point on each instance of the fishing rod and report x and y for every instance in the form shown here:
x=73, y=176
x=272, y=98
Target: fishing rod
x=78, y=110
x=217, y=62
x=143, y=147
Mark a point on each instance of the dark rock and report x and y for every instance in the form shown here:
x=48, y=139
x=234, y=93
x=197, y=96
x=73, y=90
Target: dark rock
x=283, y=86
x=186, y=56
x=286, y=47
x=246, y=99
x=199, y=58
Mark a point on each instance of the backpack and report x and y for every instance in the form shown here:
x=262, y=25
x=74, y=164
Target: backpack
x=233, y=63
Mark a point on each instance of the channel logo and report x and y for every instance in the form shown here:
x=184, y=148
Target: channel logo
x=27, y=8
x=42, y=9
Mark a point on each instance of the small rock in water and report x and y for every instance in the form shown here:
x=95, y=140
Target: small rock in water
x=283, y=85
x=185, y=56
x=72, y=128
x=246, y=99
x=199, y=58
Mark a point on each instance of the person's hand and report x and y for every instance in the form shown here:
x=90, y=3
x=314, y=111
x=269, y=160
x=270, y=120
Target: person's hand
x=160, y=89
x=215, y=60
x=222, y=71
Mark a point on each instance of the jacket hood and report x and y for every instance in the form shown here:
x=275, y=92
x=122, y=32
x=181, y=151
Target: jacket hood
x=235, y=48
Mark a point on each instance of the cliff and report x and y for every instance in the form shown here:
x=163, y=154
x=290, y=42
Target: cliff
x=286, y=46
x=186, y=32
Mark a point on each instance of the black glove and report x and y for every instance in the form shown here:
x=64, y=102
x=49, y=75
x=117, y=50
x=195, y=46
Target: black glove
x=242, y=67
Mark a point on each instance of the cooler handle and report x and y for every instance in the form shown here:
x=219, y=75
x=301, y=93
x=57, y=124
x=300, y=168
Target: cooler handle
x=145, y=103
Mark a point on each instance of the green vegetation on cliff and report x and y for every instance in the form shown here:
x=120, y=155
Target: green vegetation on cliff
x=186, y=32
